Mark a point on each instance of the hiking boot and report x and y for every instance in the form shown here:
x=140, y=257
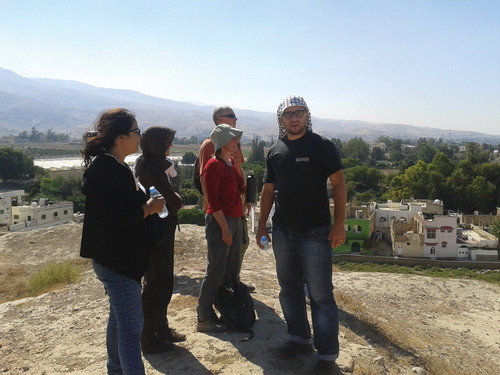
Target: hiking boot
x=325, y=368
x=153, y=345
x=292, y=348
x=170, y=334
x=210, y=325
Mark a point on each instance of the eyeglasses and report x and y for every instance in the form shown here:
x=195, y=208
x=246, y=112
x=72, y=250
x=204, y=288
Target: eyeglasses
x=231, y=115
x=138, y=131
x=298, y=113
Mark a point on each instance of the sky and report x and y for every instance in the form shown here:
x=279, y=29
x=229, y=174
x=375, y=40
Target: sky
x=427, y=63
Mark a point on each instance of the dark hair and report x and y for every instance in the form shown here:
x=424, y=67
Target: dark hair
x=109, y=125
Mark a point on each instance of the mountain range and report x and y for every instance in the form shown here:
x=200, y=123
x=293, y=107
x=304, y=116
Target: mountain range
x=71, y=107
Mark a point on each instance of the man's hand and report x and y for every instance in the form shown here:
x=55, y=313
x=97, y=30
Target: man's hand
x=337, y=235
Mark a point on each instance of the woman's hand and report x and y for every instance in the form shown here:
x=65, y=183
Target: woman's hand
x=153, y=205
x=227, y=237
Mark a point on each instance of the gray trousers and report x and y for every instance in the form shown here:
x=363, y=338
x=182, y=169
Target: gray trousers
x=223, y=263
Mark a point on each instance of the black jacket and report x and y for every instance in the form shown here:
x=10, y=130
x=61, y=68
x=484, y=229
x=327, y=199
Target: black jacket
x=115, y=233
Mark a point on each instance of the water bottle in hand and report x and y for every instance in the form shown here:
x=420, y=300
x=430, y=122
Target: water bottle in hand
x=264, y=242
x=155, y=193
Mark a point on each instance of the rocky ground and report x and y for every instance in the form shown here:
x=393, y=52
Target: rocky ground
x=390, y=324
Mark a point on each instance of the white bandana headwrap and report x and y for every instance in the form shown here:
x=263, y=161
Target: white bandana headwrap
x=292, y=101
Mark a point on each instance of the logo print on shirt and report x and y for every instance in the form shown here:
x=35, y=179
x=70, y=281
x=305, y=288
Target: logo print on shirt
x=298, y=160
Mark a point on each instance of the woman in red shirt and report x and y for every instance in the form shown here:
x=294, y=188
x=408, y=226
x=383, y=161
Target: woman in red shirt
x=223, y=231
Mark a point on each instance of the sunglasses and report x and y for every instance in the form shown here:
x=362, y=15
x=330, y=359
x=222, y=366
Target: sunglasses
x=231, y=115
x=297, y=113
x=138, y=131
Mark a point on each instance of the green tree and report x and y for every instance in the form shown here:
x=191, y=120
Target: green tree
x=476, y=154
x=356, y=148
x=377, y=154
x=340, y=146
x=442, y=164
x=15, y=164
x=188, y=158
x=257, y=154
x=480, y=196
x=495, y=230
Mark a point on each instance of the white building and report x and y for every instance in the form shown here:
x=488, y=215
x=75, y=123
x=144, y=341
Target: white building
x=40, y=215
x=6, y=199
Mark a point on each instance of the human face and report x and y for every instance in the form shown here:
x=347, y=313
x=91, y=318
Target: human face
x=168, y=150
x=134, y=135
x=295, y=126
x=231, y=147
x=227, y=117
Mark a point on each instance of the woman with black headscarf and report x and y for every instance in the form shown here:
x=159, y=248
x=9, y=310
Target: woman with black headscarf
x=150, y=167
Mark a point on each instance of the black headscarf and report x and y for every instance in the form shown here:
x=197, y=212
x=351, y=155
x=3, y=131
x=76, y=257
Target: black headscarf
x=155, y=141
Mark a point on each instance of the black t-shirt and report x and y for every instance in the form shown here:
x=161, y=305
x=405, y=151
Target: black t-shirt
x=300, y=169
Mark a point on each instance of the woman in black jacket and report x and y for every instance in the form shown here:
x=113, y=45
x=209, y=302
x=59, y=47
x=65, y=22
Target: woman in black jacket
x=150, y=169
x=116, y=231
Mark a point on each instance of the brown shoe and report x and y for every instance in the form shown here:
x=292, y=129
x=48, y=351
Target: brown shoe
x=171, y=335
x=210, y=325
x=292, y=349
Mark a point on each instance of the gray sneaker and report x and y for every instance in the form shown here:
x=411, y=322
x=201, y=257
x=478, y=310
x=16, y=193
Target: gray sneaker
x=292, y=349
x=210, y=325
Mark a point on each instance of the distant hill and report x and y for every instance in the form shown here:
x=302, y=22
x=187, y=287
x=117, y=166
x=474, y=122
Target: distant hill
x=71, y=107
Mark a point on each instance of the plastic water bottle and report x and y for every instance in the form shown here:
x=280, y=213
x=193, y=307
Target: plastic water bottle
x=154, y=193
x=264, y=242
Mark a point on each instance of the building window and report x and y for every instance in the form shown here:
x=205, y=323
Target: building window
x=442, y=230
x=382, y=219
x=65, y=212
x=44, y=217
x=1, y=212
x=433, y=250
x=443, y=244
x=55, y=214
x=16, y=216
x=431, y=233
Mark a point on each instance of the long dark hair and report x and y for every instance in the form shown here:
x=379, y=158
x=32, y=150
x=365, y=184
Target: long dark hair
x=109, y=125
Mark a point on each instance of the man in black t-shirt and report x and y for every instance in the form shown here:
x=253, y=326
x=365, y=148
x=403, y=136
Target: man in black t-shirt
x=298, y=166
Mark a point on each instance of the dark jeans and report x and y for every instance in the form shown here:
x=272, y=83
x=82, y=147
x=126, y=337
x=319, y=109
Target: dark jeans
x=125, y=322
x=223, y=263
x=159, y=280
x=306, y=257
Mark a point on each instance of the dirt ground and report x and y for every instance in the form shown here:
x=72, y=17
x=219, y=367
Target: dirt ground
x=390, y=324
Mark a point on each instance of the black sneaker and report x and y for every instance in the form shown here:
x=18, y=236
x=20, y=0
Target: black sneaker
x=153, y=345
x=292, y=348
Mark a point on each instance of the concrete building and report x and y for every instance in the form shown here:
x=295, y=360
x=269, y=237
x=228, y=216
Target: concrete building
x=41, y=214
x=7, y=200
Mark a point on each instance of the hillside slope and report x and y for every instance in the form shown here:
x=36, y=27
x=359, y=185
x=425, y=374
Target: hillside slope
x=389, y=323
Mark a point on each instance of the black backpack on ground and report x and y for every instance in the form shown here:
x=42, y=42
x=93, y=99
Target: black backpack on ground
x=236, y=308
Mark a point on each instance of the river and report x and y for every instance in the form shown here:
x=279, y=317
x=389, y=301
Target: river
x=71, y=163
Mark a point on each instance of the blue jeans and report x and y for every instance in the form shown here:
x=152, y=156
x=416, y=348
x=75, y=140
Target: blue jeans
x=306, y=257
x=123, y=336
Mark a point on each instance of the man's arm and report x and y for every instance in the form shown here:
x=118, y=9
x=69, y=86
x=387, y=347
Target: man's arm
x=337, y=233
x=266, y=203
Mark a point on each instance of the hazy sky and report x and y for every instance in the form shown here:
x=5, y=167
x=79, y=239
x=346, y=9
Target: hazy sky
x=426, y=63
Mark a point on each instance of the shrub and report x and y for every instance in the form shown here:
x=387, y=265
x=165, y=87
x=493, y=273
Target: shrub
x=191, y=216
x=53, y=275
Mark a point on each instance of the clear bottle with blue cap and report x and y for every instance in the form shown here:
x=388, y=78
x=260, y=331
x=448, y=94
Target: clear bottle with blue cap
x=155, y=193
x=264, y=242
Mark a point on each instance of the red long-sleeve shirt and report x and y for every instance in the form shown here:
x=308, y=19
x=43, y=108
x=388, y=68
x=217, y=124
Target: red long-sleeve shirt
x=222, y=188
